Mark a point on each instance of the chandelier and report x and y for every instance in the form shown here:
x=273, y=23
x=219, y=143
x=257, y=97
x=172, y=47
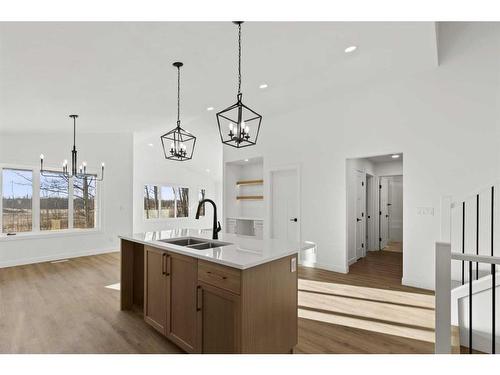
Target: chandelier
x=238, y=124
x=76, y=172
x=178, y=144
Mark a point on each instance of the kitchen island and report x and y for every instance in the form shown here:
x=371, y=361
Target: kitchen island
x=236, y=294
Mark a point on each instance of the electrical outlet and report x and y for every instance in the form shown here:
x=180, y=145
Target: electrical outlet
x=293, y=265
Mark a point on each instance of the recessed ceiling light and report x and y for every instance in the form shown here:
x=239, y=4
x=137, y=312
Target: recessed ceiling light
x=395, y=156
x=150, y=144
x=207, y=170
x=350, y=49
x=263, y=86
x=246, y=159
x=210, y=108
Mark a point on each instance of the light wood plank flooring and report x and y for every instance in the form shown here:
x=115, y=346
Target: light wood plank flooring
x=65, y=308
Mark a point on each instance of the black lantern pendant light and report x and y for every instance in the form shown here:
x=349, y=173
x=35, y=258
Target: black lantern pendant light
x=239, y=125
x=178, y=144
x=76, y=172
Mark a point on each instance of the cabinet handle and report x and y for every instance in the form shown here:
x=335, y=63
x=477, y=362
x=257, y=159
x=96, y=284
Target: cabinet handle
x=199, y=298
x=163, y=257
x=168, y=265
x=214, y=274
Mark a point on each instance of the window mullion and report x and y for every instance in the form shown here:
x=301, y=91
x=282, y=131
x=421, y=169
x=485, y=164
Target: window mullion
x=35, y=202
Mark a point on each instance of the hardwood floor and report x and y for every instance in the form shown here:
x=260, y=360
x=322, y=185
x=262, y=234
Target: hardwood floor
x=65, y=308
x=364, y=311
x=394, y=246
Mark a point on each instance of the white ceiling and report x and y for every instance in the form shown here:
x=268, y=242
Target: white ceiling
x=385, y=158
x=118, y=76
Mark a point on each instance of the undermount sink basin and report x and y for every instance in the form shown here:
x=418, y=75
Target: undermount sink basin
x=208, y=245
x=195, y=243
x=184, y=241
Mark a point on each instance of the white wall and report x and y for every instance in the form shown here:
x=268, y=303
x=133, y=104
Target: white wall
x=151, y=167
x=445, y=121
x=116, y=192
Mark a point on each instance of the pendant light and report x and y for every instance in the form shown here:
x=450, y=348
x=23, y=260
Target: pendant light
x=76, y=172
x=178, y=144
x=238, y=124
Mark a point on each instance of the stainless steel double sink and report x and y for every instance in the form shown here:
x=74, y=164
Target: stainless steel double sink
x=196, y=243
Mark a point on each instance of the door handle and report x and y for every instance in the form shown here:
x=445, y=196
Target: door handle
x=358, y=219
x=168, y=265
x=199, y=298
x=163, y=266
x=294, y=219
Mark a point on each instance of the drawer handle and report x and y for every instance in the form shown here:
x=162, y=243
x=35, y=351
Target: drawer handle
x=214, y=274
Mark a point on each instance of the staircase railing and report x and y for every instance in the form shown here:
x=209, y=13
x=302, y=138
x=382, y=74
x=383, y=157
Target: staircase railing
x=444, y=257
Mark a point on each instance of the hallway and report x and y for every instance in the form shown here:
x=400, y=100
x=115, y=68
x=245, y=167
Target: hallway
x=364, y=311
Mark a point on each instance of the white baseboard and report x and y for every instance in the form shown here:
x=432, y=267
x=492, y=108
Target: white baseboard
x=326, y=267
x=49, y=258
x=416, y=284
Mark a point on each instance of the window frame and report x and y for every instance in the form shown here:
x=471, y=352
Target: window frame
x=36, y=232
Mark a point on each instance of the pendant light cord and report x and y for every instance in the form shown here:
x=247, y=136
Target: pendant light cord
x=239, y=58
x=178, y=94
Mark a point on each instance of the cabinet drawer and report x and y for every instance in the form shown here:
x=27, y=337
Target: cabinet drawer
x=220, y=276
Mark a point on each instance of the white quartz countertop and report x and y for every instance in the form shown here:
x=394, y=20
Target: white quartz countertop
x=243, y=251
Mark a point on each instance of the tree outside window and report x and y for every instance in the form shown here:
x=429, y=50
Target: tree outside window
x=84, y=193
x=17, y=194
x=151, y=202
x=54, y=199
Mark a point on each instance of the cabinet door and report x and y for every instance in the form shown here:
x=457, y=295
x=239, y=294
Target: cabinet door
x=182, y=274
x=218, y=320
x=155, y=288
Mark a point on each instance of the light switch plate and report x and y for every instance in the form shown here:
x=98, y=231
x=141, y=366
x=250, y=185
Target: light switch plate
x=293, y=265
x=425, y=211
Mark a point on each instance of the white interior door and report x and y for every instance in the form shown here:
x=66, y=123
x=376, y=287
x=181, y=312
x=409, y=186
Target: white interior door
x=360, y=214
x=285, y=205
x=384, y=212
x=396, y=208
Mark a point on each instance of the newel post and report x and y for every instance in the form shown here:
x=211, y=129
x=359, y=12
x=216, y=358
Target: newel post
x=443, y=298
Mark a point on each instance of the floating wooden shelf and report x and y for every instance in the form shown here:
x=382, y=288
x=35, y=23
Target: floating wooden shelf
x=250, y=182
x=250, y=197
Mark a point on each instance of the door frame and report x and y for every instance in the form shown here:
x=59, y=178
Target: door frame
x=371, y=217
x=268, y=190
x=363, y=218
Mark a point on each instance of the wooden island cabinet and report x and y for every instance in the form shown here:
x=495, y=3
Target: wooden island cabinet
x=206, y=307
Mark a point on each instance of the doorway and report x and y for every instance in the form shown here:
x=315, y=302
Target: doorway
x=374, y=187
x=285, y=204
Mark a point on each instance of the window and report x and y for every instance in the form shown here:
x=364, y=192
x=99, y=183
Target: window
x=54, y=195
x=151, y=202
x=201, y=196
x=182, y=202
x=167, y=207
x=17, y=193
x=165, y=202
x=63, y=203
x=84, y=193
